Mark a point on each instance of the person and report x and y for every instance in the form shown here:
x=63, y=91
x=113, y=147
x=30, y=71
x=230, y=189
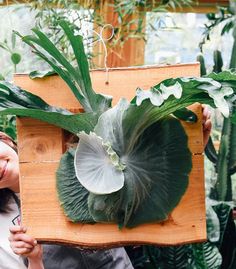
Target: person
x=22, y=244
x=9, y=201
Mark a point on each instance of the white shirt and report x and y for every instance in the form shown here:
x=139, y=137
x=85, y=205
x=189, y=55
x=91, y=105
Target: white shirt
x=8, y=259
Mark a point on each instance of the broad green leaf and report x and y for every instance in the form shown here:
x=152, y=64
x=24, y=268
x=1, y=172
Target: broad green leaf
x=72, y=123
x=193, y=90
x=189, y=87
x=72, y=194
x=97, y=166
x=15, y=101
x=11, y=94
x=158, y=96
x=103, y=208
x=156, y=169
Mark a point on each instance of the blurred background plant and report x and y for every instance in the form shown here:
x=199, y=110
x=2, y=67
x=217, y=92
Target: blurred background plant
x=219, y=250
x=8, y=125
x=15, y=57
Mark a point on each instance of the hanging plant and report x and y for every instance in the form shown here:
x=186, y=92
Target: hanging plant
x=132, y=162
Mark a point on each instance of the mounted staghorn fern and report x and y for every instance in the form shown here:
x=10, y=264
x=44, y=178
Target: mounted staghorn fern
x=132, y=162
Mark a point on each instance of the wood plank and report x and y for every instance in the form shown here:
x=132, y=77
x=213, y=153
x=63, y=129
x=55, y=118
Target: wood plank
x=34, y=145
x=118, y=82
x=42, y=214
x=45, y=219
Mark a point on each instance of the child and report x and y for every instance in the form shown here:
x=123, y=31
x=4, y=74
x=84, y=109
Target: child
x=9, y=201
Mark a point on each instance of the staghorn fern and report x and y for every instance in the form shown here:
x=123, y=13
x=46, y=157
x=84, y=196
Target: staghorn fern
x=125, y=142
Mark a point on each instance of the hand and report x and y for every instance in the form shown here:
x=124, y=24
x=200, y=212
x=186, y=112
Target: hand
x=206, y=124
x=25, y=245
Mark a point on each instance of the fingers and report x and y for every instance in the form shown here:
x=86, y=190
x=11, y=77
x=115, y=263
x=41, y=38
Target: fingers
x=20, y=242
x=206, y=113
x=207, y=125
x=17, y=229
x=23, y=237
x=21, y=248
x=24, y=244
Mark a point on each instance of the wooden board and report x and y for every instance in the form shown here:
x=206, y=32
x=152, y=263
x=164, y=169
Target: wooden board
x=40, y=148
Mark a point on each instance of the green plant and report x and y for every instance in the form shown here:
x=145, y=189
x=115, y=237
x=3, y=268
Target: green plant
x=129, y=22
x=224, y=161
x=8, y=125
x=118, y=147
x=219, y=250
x=225, y=19
x=192, y=256
x=15, y=57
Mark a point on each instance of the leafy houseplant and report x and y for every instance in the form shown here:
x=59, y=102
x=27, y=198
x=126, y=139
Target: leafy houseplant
x=219, y=250
x=224, y=158
x=113, y=175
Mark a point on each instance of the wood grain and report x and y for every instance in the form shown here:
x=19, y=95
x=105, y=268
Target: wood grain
x=40, y=149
